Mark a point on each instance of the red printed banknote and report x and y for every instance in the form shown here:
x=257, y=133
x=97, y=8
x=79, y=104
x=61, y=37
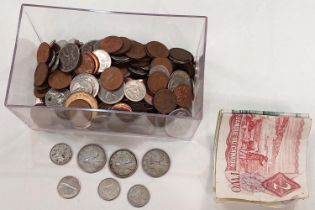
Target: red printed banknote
x=261, y=156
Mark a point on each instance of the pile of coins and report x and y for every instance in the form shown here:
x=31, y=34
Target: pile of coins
x=114, y=73
x=122, y=163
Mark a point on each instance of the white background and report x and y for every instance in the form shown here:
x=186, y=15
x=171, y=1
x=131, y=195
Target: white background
x=260, y=55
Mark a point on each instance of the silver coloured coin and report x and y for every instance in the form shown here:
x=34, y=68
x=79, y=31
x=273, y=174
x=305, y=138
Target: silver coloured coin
x=179, y=77
x=56, y=64
x=120, y=59
x=60, y=154
x=135, y=90
x=54, y=98
x=69, y=187
x=156, y=162
x=178, y=127
x=52, y=60
x=104, y=60
x=123, y=163
x=61, y=43
x=88, y=47
x=109, y=189
x=81, y=80
x=111, y=97
x=69, y=57
x=159, y=68
x=138, y=196
x=81, y=85
x=91, y=158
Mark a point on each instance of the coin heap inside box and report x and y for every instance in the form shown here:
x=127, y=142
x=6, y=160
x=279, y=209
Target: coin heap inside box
x=114, y=73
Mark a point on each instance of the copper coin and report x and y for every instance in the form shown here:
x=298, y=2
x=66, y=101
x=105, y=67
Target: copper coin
x=41, y=74
x=79, y=103
x=137, y=50
x=111, y=79
x=124, y=71
x=164, y=101
x=83, y=96
x=125, y=47
x=96, y=62
x=164, y=62
x=59, y=79
x=43, y=52
x=111, y=44
x=181, y=55
x=87, y=65
x=157, y=81
x=183, y=95
x=156, y=49
x=122, y=107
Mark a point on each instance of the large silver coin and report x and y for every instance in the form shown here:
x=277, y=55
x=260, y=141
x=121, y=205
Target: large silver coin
x=68, y=187
x=79, y=83
x=91, y=158
x=111, y=97
x=159, y=68
x=88, y=47
x=179, y=77
x=60, y=154
x=138, y=196
x=104, y=60
x=69, y=57
x=135, y=90
x=108, y=189
x=123, y=163
x=179, y=126
x=156, y=162
x=54, y=98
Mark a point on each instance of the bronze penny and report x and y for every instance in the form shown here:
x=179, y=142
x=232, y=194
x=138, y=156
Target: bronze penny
x=156, y=49
x=179, y=55
x=111, y=44
x=157, y=81
x=164, y=62
x=124, y=71
x=59, y=79
x=125, y=47
x=81, y=96
x=111, y=79
x=41, y=74
x=87, y=65
x=183, y=95
x=43, y=52
x=137, y=50
x=96, y=62
x=164, y=101
x=122, y=107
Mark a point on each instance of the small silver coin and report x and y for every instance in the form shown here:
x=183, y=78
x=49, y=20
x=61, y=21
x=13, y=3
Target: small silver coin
x=135, y=90
x=81, y=85
x=109, y=189
x=159, y=68
x=91, y=158
x=123, y=163
x=179, y=77
x=156, y=163
x=68, y=187
x=81, y=80
x=138, y=196
x=88, y=47
x=54, y=98
x=104, y=60
x=111, y=97
x=178, y=127
x=69, y=57
x=60, y=154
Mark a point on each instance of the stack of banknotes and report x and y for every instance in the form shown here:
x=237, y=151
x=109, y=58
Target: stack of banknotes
x=260, y=157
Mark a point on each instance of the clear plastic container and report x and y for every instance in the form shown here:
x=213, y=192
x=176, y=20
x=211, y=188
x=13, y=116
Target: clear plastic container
x=44, y=23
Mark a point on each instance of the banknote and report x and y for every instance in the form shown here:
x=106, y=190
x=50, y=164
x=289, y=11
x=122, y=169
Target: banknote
x=261, y=156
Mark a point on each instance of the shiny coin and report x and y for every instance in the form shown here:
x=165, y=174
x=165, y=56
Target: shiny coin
x=123, y=163
x=80, y=79
x=156, y=163
x=59, y=80
x=109, y=189
x=43, y=52
x=138, y=196
x=91, y=158
x=61, y=154
x=111, y=97
x=88, y=47
x=111, y=44
x=137, y=50
x=179, y=77
x=157, y=81
x=104, y=60
x=68, y=187
x=135, y=90
x=156, y=49
x=69, y=57
x=164, y=101
x=83, y=85
x=111, y=79
x=159, y=68
x=54, y=98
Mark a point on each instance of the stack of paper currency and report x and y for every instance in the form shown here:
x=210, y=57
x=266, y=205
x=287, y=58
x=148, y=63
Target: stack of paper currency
x=261, y=157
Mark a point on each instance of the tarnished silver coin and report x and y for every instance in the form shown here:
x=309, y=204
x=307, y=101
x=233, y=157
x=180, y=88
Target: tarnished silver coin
x=69, y=57
x=135, y=90
x=159, y=68
x=54, y=98
x=138, y=196
x=179, y=127
x=156, y=163
x=109, y=189
x=120, y=59
x=111, y=97
x=60, y=154
x=52, y=59
x=179, y=77
x=91, y=158
x=69, y=187
x=104, y=60
x=85, y=82
x=123, y=163
x=56, y=64
x=88, y=47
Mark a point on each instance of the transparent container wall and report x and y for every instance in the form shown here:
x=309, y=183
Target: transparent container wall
x=41, y=23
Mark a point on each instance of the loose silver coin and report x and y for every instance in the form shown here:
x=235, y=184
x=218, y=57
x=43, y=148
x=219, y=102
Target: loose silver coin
x=104, y=60
x=135, y=90
x=179, y=77
x=81, y=81
x=120, y=59
x=123, y=163
x=68, y=187
x=109, y=189
x=111, y=97
x=156, y=163
x=54, y=98
x=60, y=154
x=88, y=47
x=52, y=60
x=56, y=64
x=69, y=57
x=159, y=68
x=138, y=196
x=91, y=158
x=179, y=126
